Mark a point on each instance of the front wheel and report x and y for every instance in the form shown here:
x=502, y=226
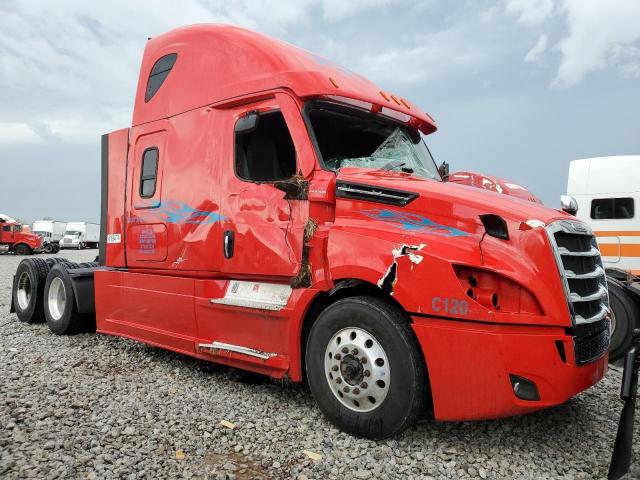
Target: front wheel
x=48, y=248
x=365, y=368
x=624, y=319
x=22, y=249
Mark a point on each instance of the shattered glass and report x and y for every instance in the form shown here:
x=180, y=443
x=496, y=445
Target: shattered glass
x=397, y=152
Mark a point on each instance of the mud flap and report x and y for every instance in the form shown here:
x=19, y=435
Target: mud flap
x=622, y=449
x=82, y=281
x=12, y=308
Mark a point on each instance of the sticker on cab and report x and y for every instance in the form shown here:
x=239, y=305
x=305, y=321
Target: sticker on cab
x=114, y=238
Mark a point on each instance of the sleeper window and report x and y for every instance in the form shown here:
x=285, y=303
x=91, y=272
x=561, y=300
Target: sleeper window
x=158, y=74
x=266, y=154
x=612, y=208
x=149, y=172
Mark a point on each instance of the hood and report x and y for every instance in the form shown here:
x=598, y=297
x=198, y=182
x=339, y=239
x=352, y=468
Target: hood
x=452, y=204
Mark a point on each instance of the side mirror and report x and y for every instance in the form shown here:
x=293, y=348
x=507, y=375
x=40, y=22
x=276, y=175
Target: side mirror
x=294, y=188
x=569, y=204
x=443, y=170
x=248, y=123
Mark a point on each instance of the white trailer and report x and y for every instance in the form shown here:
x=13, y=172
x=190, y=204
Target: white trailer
x=80, y=235
x=607, y=191
x=51, y=232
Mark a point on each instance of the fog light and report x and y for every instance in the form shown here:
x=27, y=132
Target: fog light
x=524, y=388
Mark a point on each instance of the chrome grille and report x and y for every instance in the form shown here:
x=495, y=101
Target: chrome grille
x=580, y=267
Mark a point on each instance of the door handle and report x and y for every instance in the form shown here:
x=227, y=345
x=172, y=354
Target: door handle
x=228, y=244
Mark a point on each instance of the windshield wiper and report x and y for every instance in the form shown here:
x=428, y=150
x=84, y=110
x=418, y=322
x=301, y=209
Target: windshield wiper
x=397, y=164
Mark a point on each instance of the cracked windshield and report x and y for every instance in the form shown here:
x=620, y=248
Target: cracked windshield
x=361, y=140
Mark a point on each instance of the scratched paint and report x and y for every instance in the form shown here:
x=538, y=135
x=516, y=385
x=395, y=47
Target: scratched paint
x=413, y=222
x=174, y=211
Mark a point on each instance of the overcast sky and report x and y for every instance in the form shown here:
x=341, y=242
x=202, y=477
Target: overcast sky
x=518, y=87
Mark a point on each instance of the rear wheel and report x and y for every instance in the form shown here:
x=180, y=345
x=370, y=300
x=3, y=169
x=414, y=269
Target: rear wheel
x=365, y=368
x=48, y=248
x=624, y=319
x=59, y=302
x=28, y=288
x=22, y=249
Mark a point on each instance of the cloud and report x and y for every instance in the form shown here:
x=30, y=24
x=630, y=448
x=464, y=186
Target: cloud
x=601, y=34
x=537, y=50
x=341, y=9
x=530, y=12
x=12, y=133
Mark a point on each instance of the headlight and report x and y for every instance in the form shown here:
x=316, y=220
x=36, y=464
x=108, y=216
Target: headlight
x=496, y=292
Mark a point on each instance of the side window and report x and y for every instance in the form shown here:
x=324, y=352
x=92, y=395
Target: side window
x=612, y=208
x=6, y=228
x=266, y=153
x=149, y=172
x=158, y=74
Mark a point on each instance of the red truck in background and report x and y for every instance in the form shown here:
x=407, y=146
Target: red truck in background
x=493, y=184
x=272, y=211
x=14, y=239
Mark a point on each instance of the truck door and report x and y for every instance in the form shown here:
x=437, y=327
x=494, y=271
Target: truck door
x=7, y=233
x=262, y=230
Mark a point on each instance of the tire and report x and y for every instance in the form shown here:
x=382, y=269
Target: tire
x=55, y=260
x=22, y=249
x=388, y=402
x=56, y=248
x=48, y=248
x=60, y=308
x=624, y=320
x=28, y=289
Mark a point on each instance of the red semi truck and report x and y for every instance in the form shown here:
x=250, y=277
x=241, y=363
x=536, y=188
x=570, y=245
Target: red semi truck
x=14, y=239
x=271, y=211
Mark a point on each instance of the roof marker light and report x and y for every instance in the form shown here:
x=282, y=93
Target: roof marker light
x=395, y=99
x=333, y=82
x=384, y=95
x=403, y=101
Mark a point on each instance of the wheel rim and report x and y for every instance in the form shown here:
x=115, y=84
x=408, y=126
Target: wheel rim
x=357, y=369
x=612, y=323
x=57, y=298
x=24, y=291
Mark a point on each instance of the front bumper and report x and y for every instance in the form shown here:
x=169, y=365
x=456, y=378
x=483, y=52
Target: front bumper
x=469, y=365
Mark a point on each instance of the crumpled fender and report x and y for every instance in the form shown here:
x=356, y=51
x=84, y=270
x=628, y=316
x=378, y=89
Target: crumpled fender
x=416, y=269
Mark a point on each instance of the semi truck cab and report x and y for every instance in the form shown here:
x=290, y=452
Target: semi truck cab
x=14, y=239
x=272, y=211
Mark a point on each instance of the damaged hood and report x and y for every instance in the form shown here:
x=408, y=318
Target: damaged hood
x=450, y=204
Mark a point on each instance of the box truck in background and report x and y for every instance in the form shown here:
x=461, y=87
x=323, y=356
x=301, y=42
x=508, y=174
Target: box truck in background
x=81, y=235
x=51, y=232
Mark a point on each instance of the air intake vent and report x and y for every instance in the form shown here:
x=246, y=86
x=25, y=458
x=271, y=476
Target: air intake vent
x=390, y=196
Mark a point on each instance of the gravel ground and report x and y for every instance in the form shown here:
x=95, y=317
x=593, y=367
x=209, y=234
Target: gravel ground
x=92, y=406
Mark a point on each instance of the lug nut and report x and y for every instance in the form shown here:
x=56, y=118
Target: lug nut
x=363, y=360
x=356, y=391
x=338, y=380
x=346, y=389
x=354, y=351
x=337, y=356
x=334, y=368
x=364, y=385
x=367, y=373
x=345, y=350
